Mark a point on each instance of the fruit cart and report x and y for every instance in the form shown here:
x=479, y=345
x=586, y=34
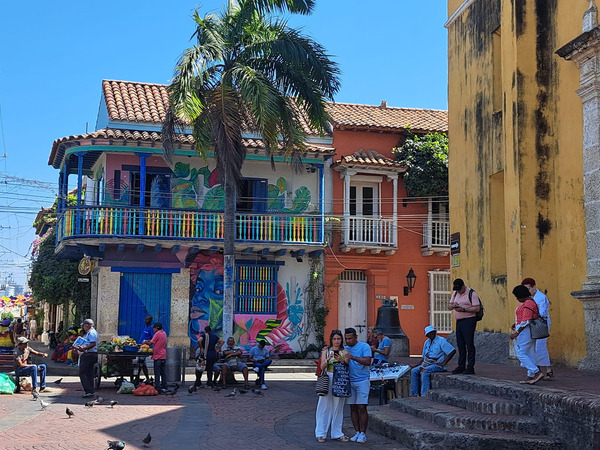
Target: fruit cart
x=121, y=359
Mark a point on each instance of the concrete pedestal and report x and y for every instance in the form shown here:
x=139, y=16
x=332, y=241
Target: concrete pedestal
x=591, y=309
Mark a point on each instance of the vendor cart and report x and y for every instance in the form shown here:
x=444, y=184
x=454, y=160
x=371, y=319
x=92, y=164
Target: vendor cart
x=119, y=365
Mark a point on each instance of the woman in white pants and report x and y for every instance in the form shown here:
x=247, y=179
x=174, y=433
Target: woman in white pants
x=524, y=344
x=330, y=409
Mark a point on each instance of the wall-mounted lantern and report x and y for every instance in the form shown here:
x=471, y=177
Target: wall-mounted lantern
x=410, y=281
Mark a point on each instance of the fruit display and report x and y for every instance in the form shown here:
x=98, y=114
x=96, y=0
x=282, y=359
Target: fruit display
x=117, y=344
x=145, y=348
x=145, y=389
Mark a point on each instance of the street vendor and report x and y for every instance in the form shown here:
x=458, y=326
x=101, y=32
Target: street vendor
x=147, y=335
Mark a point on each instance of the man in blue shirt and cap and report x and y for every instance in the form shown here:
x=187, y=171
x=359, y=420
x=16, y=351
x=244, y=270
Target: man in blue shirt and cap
x=146, y=335
x=437, y=352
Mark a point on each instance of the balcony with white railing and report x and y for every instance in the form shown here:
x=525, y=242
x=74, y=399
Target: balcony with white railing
x=136, y=223
x=376, y=234
x=436, y=238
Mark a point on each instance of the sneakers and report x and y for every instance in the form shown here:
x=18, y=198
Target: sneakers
x=355, y=437
x=45, y=389
x=362, y=438
x=458, y=370
x=264, y=387
x=88, y=395
x=255, y=369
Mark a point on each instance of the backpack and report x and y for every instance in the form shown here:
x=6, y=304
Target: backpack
x=478, y=314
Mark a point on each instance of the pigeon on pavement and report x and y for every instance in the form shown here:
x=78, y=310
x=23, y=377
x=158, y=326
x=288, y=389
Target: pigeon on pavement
x=116, y=445
x=113, y=403
x=57, y=382
x=35, y=394
x=69, y=412
x=99, y=400
x=147, y=440
x=232, y=393
x=44, y=405
x=90, y=404
x=255, y=392
x=192, y=389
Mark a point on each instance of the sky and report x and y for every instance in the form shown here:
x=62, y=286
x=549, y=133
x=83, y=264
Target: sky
x=54, y=56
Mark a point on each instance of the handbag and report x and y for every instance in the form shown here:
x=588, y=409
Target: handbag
x=539, y=328
x=201, y=361
x=322, y=384
x=340, y=385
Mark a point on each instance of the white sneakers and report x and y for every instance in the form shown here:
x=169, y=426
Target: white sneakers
x=359, y=437
x=264, y=387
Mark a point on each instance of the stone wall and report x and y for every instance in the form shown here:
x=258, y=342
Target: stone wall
x=490, y=348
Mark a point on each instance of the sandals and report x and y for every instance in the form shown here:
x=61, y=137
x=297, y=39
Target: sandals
x=342, y=438
x=321, y=439
x=549, y=376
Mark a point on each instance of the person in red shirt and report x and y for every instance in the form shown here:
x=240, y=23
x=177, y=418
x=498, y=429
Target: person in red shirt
x=159, y=355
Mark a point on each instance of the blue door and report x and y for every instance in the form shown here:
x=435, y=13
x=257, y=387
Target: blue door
x=143, y=294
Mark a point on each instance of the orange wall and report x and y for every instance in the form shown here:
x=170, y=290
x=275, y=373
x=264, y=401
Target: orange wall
x=386, y=274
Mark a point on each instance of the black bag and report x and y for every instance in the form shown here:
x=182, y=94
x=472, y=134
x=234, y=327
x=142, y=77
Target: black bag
x=478, y=314
x=323, y=383
x=340, y=385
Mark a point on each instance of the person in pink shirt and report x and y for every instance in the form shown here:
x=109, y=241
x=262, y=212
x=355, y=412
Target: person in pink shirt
x=159, y=355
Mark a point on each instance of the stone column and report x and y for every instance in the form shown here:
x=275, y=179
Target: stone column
x=584, y=50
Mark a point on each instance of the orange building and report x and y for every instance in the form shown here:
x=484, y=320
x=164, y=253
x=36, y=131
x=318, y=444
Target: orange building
x=379, y=234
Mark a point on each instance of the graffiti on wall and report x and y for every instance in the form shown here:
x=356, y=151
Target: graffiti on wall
x=206, y=308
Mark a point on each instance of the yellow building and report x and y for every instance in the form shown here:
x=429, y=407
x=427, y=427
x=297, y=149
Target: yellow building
x=516, y=177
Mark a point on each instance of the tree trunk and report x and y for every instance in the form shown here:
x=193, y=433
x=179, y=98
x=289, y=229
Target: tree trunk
x=229, y=256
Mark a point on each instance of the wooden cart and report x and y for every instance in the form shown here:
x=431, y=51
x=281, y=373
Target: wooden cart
x=125, y=364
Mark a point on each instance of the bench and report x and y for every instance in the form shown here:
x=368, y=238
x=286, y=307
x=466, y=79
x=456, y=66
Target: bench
x=7, y=367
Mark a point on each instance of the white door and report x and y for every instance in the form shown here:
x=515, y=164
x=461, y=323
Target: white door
x=352, y=299
x=439, y=296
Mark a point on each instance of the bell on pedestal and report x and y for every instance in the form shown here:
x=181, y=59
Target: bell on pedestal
x=388, y=321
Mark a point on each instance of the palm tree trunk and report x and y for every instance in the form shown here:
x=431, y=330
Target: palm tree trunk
x=229, y=256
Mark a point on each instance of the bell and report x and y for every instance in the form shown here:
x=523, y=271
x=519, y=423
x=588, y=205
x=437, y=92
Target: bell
x=388, y=321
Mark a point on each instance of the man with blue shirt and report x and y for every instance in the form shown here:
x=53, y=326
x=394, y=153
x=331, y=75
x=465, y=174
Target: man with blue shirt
x=437, y=352
x=89, y=357
x=358, y=357
x=147, y=334
x=382, y=351
x=260, y=357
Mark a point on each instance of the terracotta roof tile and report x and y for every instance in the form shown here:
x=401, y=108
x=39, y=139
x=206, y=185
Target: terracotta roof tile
x=371, y=158
x=347, y=116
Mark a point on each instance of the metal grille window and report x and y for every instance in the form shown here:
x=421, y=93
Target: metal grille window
x=256, y=289
x=353, y=275
x=439, y=296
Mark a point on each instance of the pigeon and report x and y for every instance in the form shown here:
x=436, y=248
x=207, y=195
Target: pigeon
x=232, y=393
x=147, y=440
x=69, y=412
x=255, y=392
x=99, y=400
x=90, y=404
x=113, y=403
x=241, y=391
x=57, y=382
x=192, y=389
x=44, y=405
x=35, y=395
x=116, y=445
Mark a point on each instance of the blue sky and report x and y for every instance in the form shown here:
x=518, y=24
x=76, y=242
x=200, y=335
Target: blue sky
x=54, y=55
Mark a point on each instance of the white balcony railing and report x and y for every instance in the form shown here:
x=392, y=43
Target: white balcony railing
x=436, y=234
x=370, y=231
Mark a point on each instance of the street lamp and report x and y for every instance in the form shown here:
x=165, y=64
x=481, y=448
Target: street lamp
x=410, y=281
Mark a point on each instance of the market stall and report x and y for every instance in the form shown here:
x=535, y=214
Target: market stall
x=121, y=357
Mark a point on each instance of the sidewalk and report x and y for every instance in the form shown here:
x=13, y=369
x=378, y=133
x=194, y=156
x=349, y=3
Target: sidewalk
x=281, y=418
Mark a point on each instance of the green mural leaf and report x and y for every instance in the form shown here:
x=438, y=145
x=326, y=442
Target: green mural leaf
x=214, y=200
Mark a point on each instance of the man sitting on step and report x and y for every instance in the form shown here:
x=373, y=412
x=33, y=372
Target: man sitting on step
x=437, y=352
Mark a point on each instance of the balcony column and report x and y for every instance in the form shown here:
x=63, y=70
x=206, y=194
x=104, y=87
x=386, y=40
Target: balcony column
x=321, y=202
x=79, y=187
x=346, y=230
x=394, y=179
x=142, y=157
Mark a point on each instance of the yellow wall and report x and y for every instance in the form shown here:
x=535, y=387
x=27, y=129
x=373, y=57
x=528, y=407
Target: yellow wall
x=527, y=141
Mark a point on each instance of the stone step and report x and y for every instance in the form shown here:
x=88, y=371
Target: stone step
x=417, y=433
x=453, y=417
x=477, y=402
x=508, y=390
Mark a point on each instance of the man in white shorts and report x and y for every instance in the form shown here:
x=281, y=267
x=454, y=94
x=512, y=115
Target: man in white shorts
x=358, y=358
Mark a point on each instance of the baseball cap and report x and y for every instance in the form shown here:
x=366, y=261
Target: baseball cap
x=458, y=284
x=22, y=340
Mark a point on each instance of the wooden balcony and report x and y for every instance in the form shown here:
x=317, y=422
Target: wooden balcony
x=185, y=225
x=376, y=234
x=436, y=238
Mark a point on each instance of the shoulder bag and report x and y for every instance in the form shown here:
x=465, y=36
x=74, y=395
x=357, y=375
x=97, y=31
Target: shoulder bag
x=340, y=385
x=538, y=327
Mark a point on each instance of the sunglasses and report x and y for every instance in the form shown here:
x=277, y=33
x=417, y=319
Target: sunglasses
x=336, y=332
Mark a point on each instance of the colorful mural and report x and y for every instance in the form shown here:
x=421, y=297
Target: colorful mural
x=116, y=197
x=206, y=307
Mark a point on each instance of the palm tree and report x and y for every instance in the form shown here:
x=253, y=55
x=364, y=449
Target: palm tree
x=248, y=71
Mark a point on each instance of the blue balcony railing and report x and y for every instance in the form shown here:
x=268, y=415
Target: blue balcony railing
x=105, y=221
